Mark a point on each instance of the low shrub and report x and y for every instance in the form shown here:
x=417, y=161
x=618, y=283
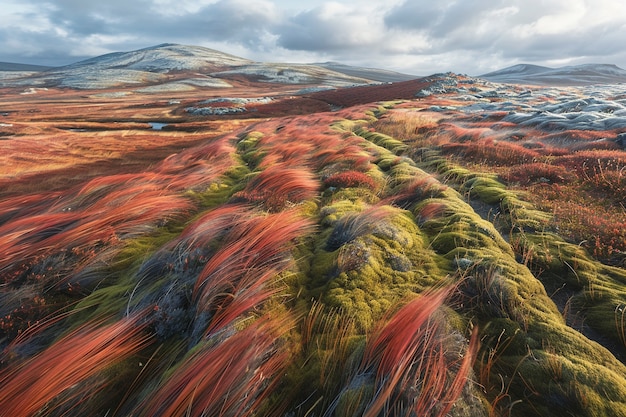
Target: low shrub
x=492, y=152
x=348, y=179
x=538, y=172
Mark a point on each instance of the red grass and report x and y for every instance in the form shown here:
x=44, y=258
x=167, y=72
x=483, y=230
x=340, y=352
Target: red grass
x=197, y=166
x=117, y=215
x=254, y=251
x=279, y=185
x=97, y=214
x=286, y=149
x=227, y=378
x=430, y=211
x=602, y=232
x=539, y=172
x=408, y=349
x=492, y=153
x=213, y=225
x=416, y=190
x=588, y=163
x=347, y=179
x=58, y=372
x=347, y=97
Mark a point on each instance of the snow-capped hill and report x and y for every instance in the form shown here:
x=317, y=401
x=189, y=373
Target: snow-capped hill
x=585, y=74
x=163, y=58
x=149, y=65
x=172, y=66
x=292, y=74
x=517, y=69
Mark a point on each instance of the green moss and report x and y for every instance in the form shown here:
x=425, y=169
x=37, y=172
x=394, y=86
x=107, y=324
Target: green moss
x=596, y=289
x=545, y=367
x=380, y=139
x=365, y=275
x=249, y=141
x=353, y=400
x=346, y=125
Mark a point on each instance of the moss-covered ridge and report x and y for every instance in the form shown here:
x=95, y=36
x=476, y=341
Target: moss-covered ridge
x=593, y=291
x=509, y=302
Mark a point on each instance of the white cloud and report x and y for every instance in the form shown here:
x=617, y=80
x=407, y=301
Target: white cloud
x=416, y=36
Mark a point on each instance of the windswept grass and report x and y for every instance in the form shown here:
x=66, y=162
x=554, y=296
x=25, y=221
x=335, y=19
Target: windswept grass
x=62, y=376
x=413, y=373
x=405, y=258
x=280, y=185
x=227, y=377
x=234, y=278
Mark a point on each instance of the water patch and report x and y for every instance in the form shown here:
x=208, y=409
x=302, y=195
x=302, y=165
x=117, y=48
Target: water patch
x=157, y=125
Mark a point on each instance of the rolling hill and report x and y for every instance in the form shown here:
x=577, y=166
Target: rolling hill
x=570, y=75
x=181, y=66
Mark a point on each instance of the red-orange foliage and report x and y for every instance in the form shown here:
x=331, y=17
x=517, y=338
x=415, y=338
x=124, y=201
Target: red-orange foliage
x=212, y=225
x=77, y=226
x=348, y=179
x=430, y=211
x=281, y=184
x=59, y=373
x=409, y=351
x=253, y=252
x=602, y=232
x=197, y=166
x=347, y=97
x=539, y=172
x=589, y=163
x=493, y=153
x=416, y=190
x=227, y=378
x=610, y=183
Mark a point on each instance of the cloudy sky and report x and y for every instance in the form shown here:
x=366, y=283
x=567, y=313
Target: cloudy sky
x=413, y=36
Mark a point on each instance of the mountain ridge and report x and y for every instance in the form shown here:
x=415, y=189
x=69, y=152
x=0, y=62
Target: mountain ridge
x=193, y=66
x=583, y=74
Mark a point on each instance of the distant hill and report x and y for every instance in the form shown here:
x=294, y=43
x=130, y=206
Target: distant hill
x=172, y=66
x=11, y=66
x=162, y=58
x=570, y=75
x=374, y=74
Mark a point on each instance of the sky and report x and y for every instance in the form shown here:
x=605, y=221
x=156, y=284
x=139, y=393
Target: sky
x=418, y=37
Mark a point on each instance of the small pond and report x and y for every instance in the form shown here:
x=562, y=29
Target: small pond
x=157, y=125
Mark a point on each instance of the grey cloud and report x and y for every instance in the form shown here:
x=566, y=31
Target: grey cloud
x=308, y=32
x=452, y=34
x=439, y=19
x=503, y=28
x=124, y=24
x=221, y=20
x=82, y=18
x=415, y=16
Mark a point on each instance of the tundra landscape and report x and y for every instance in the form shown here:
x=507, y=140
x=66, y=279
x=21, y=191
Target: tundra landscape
x=184, y=232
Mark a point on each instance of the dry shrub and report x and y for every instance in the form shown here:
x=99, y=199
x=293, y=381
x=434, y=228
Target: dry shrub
x=539, y=172
x=589, y=163
x=493, y=153
x=349, y=179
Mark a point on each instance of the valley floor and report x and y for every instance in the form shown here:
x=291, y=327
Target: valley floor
x=442, y=246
